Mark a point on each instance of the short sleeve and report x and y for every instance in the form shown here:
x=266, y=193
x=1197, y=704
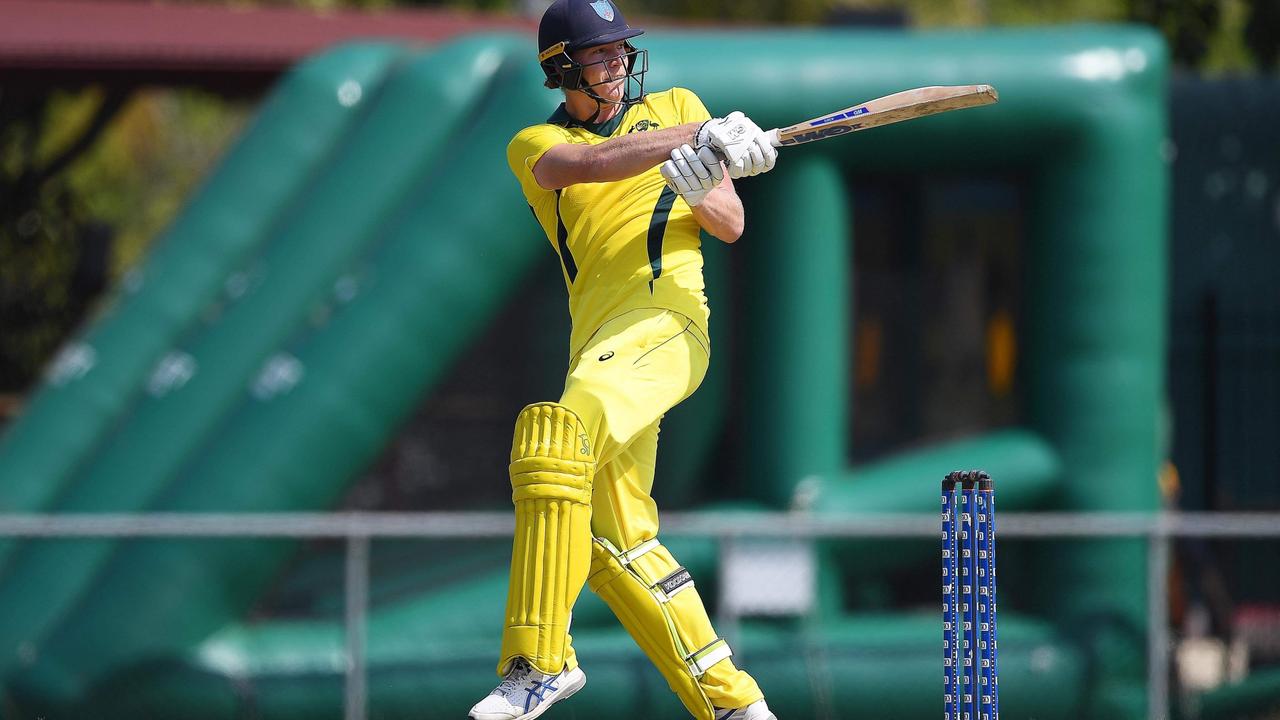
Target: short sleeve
x=689, y=106
x=526, y=149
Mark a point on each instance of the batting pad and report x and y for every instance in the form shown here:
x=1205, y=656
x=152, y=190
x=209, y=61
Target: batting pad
x=655, y=600
x=551, y=470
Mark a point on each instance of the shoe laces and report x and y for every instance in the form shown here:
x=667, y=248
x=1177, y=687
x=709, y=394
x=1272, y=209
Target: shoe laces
x=515, y=676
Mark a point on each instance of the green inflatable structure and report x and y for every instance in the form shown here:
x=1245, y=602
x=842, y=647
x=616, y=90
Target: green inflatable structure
x=328, y=274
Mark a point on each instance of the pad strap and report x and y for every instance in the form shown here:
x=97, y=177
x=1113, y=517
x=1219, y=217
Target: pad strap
x=626, y=558
x=700, y=661
x=637, y=552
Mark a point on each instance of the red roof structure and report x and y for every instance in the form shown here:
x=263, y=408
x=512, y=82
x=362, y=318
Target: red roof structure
x=227, y=48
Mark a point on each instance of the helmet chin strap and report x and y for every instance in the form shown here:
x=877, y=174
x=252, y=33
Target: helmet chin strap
x=590, y=92
x=600, y=103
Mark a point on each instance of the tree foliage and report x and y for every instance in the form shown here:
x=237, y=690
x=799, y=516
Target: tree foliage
x=46, y=262
x=87, y=179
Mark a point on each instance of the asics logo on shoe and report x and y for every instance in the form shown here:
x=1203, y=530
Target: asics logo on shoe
x=538, y=689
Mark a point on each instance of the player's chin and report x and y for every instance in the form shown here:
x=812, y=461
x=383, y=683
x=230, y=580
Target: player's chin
x=615, y=90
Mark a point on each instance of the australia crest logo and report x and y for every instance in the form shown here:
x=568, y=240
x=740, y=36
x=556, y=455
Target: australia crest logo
x=604, y=9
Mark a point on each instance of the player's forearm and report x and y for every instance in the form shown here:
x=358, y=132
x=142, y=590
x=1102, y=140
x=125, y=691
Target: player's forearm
x=720, y=213
x=615, y=159
x=634, y=153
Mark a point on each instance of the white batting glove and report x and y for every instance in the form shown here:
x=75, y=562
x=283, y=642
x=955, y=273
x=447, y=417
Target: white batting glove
x=745, y=147
x=692, y=173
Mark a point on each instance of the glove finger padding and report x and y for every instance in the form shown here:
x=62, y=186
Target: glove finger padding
x=757, y=158
x=675, y=179
x=711, y=160
x=682, y=166
x=692, y=165
x=770, y=153
x=688, y=173
x=699, y=168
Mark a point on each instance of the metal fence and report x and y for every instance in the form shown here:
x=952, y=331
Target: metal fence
x=358, y=529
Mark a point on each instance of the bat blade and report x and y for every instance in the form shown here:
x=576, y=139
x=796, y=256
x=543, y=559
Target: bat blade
x=905, y=105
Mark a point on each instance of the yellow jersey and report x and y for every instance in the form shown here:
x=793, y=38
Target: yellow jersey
x=623, y=245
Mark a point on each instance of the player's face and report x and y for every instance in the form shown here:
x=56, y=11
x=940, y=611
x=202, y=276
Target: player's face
x=604, y=68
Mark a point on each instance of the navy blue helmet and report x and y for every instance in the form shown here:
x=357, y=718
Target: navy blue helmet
x=570, y=25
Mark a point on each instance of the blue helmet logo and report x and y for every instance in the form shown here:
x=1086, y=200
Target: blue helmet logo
x=604, y=9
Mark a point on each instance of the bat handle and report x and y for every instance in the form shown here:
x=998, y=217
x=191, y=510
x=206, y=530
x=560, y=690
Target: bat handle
x=774, y=139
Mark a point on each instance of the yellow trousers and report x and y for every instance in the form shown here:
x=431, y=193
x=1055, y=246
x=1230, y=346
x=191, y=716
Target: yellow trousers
x=633, y=370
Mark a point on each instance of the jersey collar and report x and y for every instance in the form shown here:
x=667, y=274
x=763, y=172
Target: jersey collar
x=606, y=129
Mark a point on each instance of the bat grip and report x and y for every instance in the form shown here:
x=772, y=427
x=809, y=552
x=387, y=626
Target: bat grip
x=774, y=139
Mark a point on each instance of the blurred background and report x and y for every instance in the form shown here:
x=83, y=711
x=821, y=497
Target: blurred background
x=267, y=257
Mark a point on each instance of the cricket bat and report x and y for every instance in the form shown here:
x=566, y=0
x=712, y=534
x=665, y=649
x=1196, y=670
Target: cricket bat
x=905, y=105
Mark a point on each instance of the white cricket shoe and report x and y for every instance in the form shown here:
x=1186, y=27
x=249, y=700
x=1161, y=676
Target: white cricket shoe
x=758, y=710
x=525, y=693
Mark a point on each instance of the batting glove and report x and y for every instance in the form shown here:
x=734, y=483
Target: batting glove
x=692, y=173
x=746, y=148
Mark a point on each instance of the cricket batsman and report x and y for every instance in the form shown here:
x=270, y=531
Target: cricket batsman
x=621, y=182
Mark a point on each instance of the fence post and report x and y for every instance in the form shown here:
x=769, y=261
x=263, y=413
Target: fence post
x=357, y=599
x=1158, y=620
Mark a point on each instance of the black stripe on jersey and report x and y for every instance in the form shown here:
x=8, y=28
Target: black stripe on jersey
x=657, y=229
x=562, y=235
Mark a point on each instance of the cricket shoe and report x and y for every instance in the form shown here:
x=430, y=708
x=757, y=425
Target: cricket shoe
x=525, y=693
x=758, y=710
